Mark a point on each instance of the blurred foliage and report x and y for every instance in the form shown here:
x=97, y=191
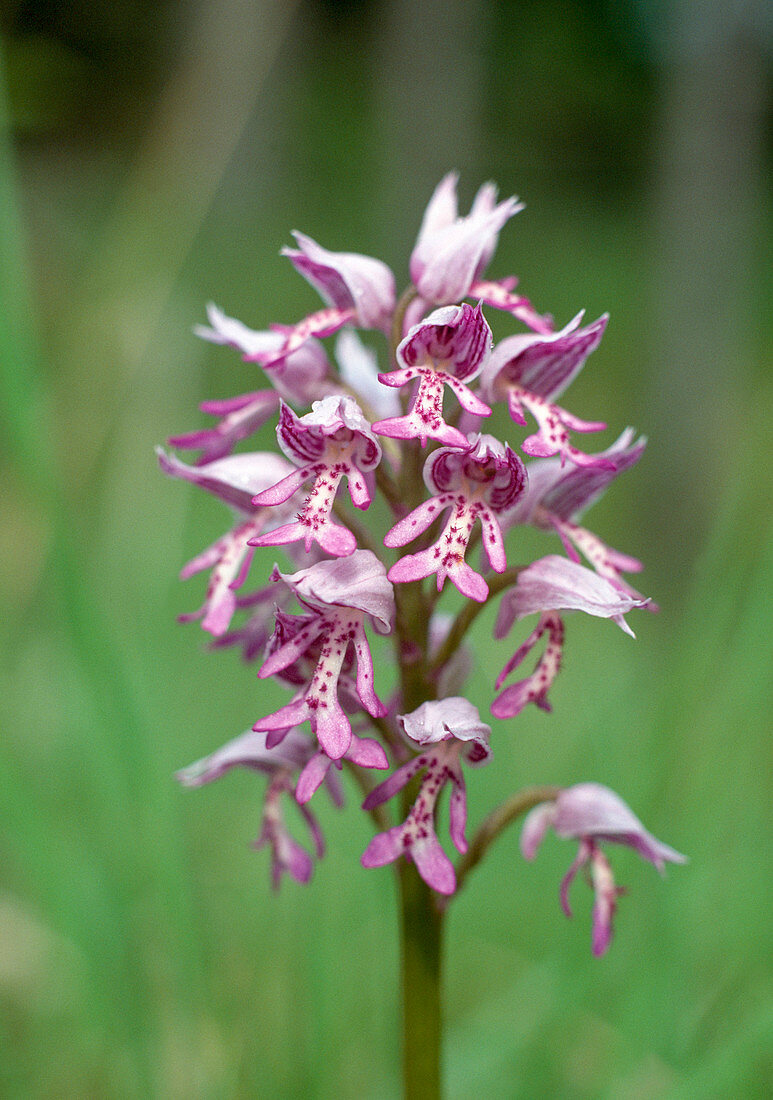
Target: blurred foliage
x=77, y=65
x=160, y=154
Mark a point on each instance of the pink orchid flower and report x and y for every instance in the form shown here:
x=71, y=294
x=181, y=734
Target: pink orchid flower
x=447, y=729
x=332, y=441
x=475, y=483
x=530, y=371
x=590, y=814
x=448, y=348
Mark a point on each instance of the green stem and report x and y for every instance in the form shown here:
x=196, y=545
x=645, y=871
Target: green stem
x=421, y=916
x=496, y=822
x=387, y=486
x=497, y=582
x=390, y=735
x=421, y=932
x=360, y=532
x=379, y=814
x=398, y=317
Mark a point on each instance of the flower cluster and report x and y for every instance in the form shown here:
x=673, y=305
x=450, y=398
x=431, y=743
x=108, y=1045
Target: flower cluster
x=456, y=495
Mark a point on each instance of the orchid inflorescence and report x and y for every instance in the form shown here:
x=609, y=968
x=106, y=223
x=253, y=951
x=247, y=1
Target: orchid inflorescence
x=391, y=433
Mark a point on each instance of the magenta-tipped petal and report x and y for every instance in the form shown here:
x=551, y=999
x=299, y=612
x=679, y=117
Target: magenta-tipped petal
x=453, y=719
x=590, y=809
x=384, y=848
x=358, y=581
x=347, y=280
x=433, y=865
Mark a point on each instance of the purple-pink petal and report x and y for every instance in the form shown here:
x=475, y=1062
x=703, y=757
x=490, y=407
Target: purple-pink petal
x=535, y=825
x=329, y=723
x=575, y=489
x=249, y=750
x=417, y=521
x=592, y=810
x=234, y=479
x=457, y=811
x=358, y=581
x=286, y=855
x=294, y=647
x=516, y=698
x=312, y=777
x=433, y=864
x=394, y=783
x=241, y=417
x=365, y=752
x=223, y=329
x=300, y=375
x=282, y=490
x=485, y=463
x=453, y=339
x=365, y=688
x=605, y=901
x=335, y=419
x=499, y=295
x=384, y=848
x=534, y=688
x=415, y=567
x=582, y=857
x=449, y=720
x=424, y=421
x=554, y=583
x=542, y=364
x=333, y=538
x=347, y=280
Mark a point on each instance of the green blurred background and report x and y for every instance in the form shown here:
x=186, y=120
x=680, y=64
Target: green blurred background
x=156, y=156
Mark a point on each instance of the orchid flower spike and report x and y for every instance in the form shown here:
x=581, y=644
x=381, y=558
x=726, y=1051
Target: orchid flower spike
x=590, y=814
x=312, y=623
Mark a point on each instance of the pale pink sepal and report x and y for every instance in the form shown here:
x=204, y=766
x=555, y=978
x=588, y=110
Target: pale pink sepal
x=451, y=251
x=554, y=583
x=347, y=280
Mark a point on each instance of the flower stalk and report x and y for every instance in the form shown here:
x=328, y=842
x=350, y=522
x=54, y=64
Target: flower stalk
x=497, y=821
x=421, y=965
